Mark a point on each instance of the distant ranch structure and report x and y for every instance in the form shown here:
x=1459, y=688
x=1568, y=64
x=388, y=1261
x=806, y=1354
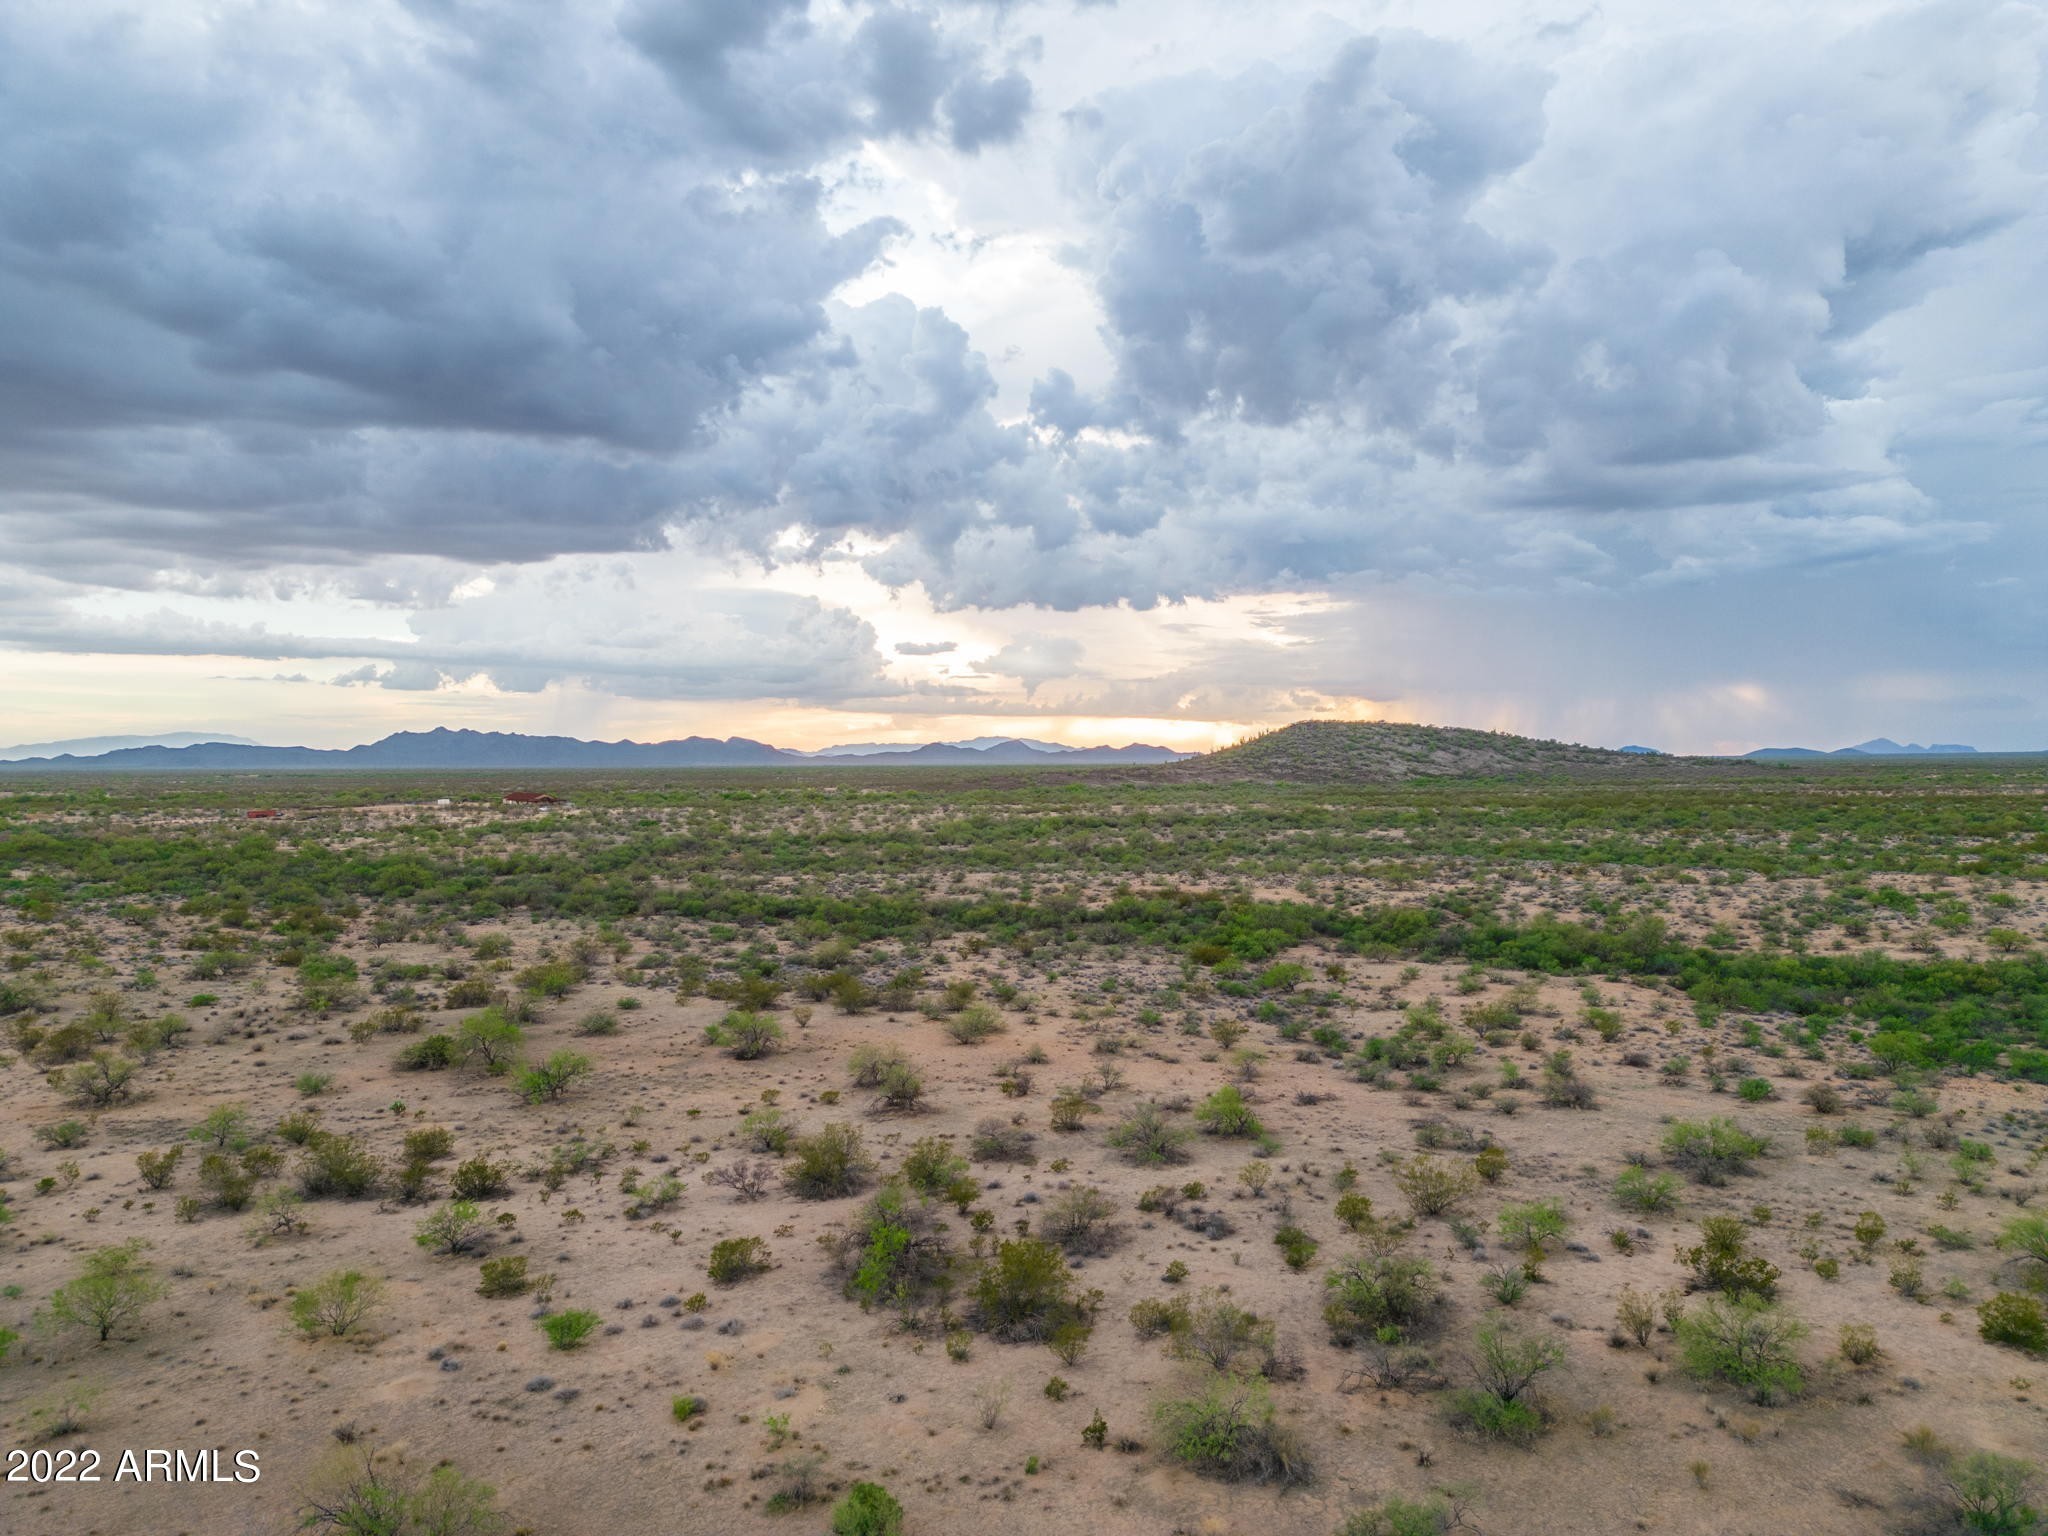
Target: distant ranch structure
x=528, y=797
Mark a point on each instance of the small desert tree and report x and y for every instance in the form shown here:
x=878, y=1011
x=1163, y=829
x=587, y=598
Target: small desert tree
x=748, y=1036
x=554, y=1077
x=457, y=1227
x=109, y=1294
x=365, y=1494
x=1746, y=1341
x=335, y=1303
x=1505, y=1366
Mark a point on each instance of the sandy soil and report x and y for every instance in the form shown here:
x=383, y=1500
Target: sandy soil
x=444, y=1373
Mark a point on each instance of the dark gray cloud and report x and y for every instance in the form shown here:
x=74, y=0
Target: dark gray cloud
x=344, y=282
x=1272, y=244
x=784, y=83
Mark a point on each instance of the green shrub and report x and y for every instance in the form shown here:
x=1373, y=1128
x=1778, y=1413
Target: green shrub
x=869, y=1064
x=490, y=1040
x=931, y=1165
x=566, y=1330
x=867, y=1509
x=737, y=1258
x=1375, y=1289
x=455, y=1228
x=899, y=1250
x=1746, y=1341
x=686, y=1407
x=554, y=1077
x=974, y=1024
x=429, y=1053
x=1228, y=1431
x=1721, y=1260
x=746, y=1036
x=1638, y=1189
x=766, y=1131
x=158, y=1168
x=1532, y=1227
x=429, y=1144
x=1396, y=1516
x=2027, y=1237
x=479, y=1179
x=372, y=1495
x=104, y=1079
x=1296, y=1247
x=109, y=1294
x=337, y=1165
x=1225, y=1113
x=503, y=1277
x=1146, y=1138
x=1151, y=1318
x=1078, y=1220
x=230, y=1182
x=1754, y=1090
x=551, y=978
x=1992, y=1493
x=2015, y=1321
x=828, y=1164
x=1713, y=1149
x=600, y=1021
x=1505, y=1364
x=1025, y=1291
x=1434, y=1187
x=335, y=1303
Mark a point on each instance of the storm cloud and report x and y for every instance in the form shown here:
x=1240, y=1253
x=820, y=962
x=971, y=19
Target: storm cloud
x=375, y=299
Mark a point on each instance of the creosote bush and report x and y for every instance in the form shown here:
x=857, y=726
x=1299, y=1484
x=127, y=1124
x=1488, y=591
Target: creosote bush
x=1505, y=1365
x=1147, y=1138
x=734, y=1259
x=456, y=1228
x=2014, y=1320
x=1228, y=1430
x=366, y=1494
x=1024, y=1291
x=1434, y=1187
x=554, y=1077
x=335, y=1304
x=567, y=1330
x=1745, y=1341
x=1712, y=1150
x=828, y=1164
x=747, y=1036
x=503, y=1277
x=867, y=1509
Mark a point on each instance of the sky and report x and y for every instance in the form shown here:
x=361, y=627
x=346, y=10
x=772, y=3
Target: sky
x=1096, y=370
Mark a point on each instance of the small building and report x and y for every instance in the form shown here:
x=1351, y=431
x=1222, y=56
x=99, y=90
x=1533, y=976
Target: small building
x=528, y=797
x=263, y=815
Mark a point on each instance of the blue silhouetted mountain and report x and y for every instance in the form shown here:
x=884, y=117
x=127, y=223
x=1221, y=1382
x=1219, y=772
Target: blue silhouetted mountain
x=445, y=749
x=1877, y=746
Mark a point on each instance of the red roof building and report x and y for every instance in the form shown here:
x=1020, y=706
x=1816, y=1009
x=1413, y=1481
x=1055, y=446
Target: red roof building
x=528, y=797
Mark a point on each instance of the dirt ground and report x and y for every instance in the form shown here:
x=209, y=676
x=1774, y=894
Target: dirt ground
x=583, y=1441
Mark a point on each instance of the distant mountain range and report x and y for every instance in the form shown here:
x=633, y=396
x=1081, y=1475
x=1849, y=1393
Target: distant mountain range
x=88, y=746
x=1877, y=746
x=877, y=748
x=445, y=749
